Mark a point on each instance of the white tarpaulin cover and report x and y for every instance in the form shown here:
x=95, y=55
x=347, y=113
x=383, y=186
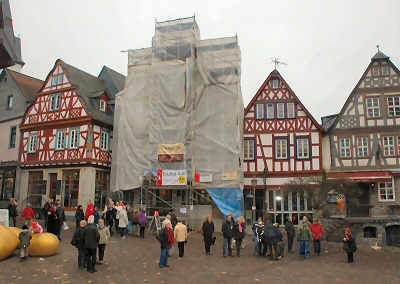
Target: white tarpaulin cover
x=182, y=90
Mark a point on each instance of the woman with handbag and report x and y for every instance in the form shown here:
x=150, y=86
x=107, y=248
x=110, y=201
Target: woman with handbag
x=349, y=245
x=207, y=231
x=12, y=211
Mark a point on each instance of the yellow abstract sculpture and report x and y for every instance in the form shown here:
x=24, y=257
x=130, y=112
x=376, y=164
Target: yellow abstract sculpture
x=15, y=230
x=8, y=242
x=44, y=244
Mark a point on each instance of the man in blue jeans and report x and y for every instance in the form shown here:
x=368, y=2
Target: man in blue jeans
x=227, y=233
x=164, y=243
x=305, y=236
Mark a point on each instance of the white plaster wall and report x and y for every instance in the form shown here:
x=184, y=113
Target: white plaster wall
x=6, y=153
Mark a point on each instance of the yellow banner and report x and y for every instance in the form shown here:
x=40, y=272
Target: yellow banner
x=171, y=152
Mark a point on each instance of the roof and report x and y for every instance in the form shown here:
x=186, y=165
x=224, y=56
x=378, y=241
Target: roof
x=88, y=85
x=328, y=120
x=117, y=79
x=28, y=86
x=379, y=55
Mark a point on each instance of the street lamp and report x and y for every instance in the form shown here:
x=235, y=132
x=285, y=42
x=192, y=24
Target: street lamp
x=253, y=208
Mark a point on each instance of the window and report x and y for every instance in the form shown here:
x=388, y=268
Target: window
x=280, y=110
x=260, y=111
x=102, y=188
x=345, y=147
x=13, y=136
x=386, y=191
x=248, y=149
x=370, y=232
x=290, y=110
x=57, y=79
x=281, y=150
x=385, y=70
x=362, y=146
x=32, y=143
x=388, y=146
x=7, y=179
x=373, y=109
x=104, y=141
x=71, y=188
x=102, y=105
x=10, y=102
x=398, y=145
x=270, y=111
x=55, y=102
x=36, y=187
x=375, y=71
x=303, y=148
x=73, y=138
x=60, y=140
x=394, y=106
x=275, y=84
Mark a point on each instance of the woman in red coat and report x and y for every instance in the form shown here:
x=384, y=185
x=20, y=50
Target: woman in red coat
x=28, y=215
x=89, y=209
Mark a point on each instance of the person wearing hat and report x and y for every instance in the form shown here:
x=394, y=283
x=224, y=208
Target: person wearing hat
x=53, y=221
x=349, y=245
x=36, y=228
x=28, y=215
x=262, y=240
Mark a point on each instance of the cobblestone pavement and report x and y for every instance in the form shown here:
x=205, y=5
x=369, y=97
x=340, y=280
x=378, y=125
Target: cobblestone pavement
x=134, y=260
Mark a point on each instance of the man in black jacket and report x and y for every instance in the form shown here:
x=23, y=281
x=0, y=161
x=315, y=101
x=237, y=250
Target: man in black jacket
x=272, y=233
x=289, y=228
x=164, y=243
x=90, y=237
x=46, y=211
x=227, y=232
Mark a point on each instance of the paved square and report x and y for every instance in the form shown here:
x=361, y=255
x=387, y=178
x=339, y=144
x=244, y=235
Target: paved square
x=133, y=260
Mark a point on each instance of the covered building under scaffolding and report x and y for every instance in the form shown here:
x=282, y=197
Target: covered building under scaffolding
x=178, y=125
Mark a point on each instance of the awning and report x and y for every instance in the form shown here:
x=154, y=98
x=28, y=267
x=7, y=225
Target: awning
x=363, y=176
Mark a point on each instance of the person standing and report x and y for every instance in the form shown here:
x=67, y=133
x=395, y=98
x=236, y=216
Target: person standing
x=62, y=219
x=79, y=216
x=349, y=245
x=272, y=233
x=91, y=237
x=174, y=219
x=208, y=231
x=89, y=210
x=305, y=236
x=129, y=212
x=262, y=240
x=142, y=221
x=163, y=238
x=180, y=235
x=110, y=216
x=104, y=236
x=46, y=210
x=238, y=234
x=28, y=215
x=118, y=208
x=227, y=233
x=317, y=232
x=25, y=238
x=291, y=233
x=80, y=244
x=123, y=221
x=12, y=211
x=53, y=225
x=135, y=222
x=255, y=238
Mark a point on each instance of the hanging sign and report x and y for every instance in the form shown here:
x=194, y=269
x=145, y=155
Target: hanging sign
x=203, y=178
x=172, y=177
x=171, y=152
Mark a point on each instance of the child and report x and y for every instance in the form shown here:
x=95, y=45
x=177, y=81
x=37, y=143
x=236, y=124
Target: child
x=349, y=245
x=36, y=228
x=104, y=236
x=28, y=215
x=24, y=242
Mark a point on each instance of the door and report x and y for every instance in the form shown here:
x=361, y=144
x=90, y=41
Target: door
x=53, y=187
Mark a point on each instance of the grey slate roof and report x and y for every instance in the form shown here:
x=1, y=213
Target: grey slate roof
x=89, y=85
x=380, y=55
x=28, y=86
x=114, y=80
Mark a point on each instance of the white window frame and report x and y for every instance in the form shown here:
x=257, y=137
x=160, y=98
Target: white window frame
x=57, y=79
x=362, y=147
x=281, y=149
x=388, y=146
x=102, y=105
x=393, y=106
x=104, y=140
x=60, y=139
x=275, y=83
x=10, y=102
x=270, y=111
x=248, y=149
x=303, y=148
x=375, y=71
x=260, y=113
x=280, y=110
x=291, y=111
x=385, y=70
x=345, y=147
x=54, y=103
x=73, y=138
x=385, y=191
x=12, y=129
x=373, y=108
x=32, y=142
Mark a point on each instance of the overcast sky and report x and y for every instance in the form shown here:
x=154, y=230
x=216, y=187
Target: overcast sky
x=327, y=45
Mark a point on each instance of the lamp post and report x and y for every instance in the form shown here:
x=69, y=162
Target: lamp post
x=265, y=192
x=253, y=208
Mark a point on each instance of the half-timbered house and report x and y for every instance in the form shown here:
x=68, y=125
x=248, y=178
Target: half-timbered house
x=282, y=141
x=65, y=148
x=365, y=145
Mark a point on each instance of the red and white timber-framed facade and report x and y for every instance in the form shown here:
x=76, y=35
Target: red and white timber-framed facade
x=365, y=145
x=65, y=140
x=281, y=141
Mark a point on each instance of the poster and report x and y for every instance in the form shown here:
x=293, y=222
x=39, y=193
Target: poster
x=171, y=152
x=165, y=177
x=4, y=219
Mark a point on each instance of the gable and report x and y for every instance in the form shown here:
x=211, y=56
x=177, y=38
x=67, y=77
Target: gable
x=380, y=74
x=57, y=79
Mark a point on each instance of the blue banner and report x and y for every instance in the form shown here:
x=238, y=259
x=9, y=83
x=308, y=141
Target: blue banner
x=228, y=200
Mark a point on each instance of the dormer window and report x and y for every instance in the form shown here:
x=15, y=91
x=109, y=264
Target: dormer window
x=57, y=79
x=102, y=105
x=275, y=84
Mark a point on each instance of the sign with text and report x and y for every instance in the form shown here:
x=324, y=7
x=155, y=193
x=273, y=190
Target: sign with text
x=171, y=152
x=172, y=177
x=203, y=178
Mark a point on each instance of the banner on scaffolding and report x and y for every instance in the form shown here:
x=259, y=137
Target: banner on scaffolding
x=171, y=152
x=165, y=177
